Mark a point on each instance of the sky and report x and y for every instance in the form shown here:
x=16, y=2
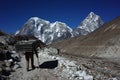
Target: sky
x=14, y=13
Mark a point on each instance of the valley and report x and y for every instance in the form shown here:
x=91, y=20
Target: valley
x=94, y=55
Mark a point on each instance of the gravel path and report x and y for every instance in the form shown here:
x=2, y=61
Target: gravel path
x=68, y=68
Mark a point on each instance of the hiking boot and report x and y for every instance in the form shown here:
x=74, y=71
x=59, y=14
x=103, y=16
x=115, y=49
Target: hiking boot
x=27, y=69
x=33, y=67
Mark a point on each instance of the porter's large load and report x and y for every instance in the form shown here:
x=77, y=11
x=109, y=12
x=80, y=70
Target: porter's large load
x=28, y=46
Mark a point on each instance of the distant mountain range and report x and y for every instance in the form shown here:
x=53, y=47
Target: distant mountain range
x=51, y=32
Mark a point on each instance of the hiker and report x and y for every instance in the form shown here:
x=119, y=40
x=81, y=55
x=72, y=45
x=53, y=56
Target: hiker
x=30, y=55
x=30, y=48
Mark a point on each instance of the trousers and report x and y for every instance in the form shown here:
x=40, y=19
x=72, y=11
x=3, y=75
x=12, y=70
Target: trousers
x=29, y=56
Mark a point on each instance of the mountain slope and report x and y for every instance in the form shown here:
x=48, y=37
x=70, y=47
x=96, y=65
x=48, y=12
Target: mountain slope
x=103, y=42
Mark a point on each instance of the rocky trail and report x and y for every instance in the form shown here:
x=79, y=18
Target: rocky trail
x=51, y=67
x=55, y=66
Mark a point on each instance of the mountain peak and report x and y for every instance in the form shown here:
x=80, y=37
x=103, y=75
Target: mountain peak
x=58, y=22
x=34, y=18
x=89, y=24
x=92, y=14
x=37, y=20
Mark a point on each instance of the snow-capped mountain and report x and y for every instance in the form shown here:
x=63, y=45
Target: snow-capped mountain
x=89, y=24
x=51, y=32
x=45, y=31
